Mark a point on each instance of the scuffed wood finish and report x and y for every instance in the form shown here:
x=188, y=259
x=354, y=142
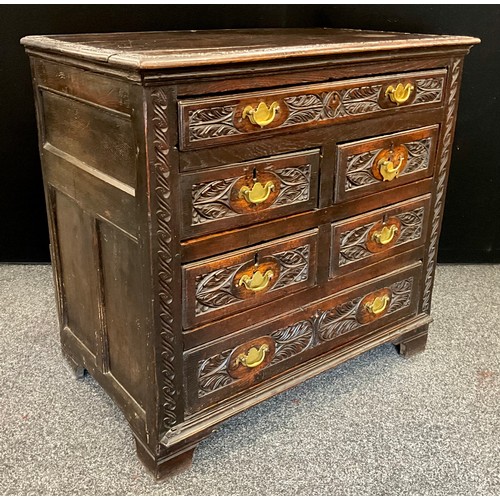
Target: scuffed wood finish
x=358, y=163
x=188, y=302
x=354, y=241
x=208, y=121
x=212, y=199
x=328, y=323
x=213, y=288
x=161, y=50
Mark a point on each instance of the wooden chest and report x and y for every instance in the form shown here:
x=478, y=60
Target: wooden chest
x=234, y=212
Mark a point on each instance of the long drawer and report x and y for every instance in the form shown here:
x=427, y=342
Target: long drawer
x=210, y=121
x=224, y=368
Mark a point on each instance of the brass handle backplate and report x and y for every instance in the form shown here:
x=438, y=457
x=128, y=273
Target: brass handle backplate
x=385, y=235
x=253, y=358
x=400, y=93
x=389, y=163
x=257, y=282
x=387, y=169
x=258, y=193
x=378, y=305
x=262, y=115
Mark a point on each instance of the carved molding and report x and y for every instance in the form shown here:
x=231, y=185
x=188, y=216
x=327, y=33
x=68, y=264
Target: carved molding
x=211, y=122
x=429, y=90
x=219, y=121
x=214, y=289
x=213, y=372
x=344, y=318
x=211, y=200
x=442, y=174
x=290, y=341
x=353, y=242
x=359, y=166
x=165, y=256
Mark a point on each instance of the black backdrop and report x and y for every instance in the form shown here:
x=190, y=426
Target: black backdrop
x=471, y=222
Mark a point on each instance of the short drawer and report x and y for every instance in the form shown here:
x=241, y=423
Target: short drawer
x=240, y=280
x=224, y=369
x=375, y=236
x=374, y=165
x=245, y=193
x=211, y=121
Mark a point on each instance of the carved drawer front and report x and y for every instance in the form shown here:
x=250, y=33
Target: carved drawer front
x=223, y=369
x=240, y=280
x=212, y=121
x=373, y=165
x=375, y=236
x=249, y=192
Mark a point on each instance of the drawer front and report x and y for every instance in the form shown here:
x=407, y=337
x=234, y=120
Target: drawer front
x=250, y=192
x=224, y=369
x=373, y=165
x=234, y=282
x=372, y=237
x=212, y=121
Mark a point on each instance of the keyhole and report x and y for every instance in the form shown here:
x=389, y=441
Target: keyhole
x=256, y=259
x=254, y=174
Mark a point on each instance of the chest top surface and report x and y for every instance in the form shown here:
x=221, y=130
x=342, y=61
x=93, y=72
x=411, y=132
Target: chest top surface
x=170, y=49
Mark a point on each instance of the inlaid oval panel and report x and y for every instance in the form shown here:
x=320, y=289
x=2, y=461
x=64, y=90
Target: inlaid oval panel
x=383, y=235
x=374, y=305
x=249, y=358
x=251, y=194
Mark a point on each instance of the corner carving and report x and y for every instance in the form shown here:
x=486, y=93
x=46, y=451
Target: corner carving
x=165, y=255
x=442, y=174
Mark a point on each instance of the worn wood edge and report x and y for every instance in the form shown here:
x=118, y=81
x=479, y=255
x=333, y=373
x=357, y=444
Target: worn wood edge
x=298, y=65
x=291, y=378
x=71, y=345
x=177, y=59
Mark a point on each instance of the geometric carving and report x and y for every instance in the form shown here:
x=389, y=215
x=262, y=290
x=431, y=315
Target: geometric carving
x=215, y=289
x=353, y=243
x=212, y=200
x=323, y=326
x=359, y=166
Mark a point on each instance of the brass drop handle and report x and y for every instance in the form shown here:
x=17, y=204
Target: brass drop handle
x=253, y=358
x=400, y=93
x=262, y=115
x=385, y=235
x=257, y=282
x=387, y=169
x=378, y=305
x=258, y=193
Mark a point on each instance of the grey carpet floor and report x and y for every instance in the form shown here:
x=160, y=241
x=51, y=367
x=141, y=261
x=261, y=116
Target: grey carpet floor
x=377, y=425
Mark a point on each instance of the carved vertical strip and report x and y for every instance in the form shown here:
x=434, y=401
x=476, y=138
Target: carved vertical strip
x=440, y=189
x=163, y=215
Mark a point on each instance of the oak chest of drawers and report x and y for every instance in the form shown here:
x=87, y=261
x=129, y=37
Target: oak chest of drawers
x=234, y=212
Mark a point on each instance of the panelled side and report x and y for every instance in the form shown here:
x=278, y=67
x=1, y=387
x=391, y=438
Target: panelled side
x=91, y=170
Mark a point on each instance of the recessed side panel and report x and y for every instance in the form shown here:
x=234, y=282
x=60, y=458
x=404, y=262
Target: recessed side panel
x=74, y=234
x=100, y=138
x=121, y=283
